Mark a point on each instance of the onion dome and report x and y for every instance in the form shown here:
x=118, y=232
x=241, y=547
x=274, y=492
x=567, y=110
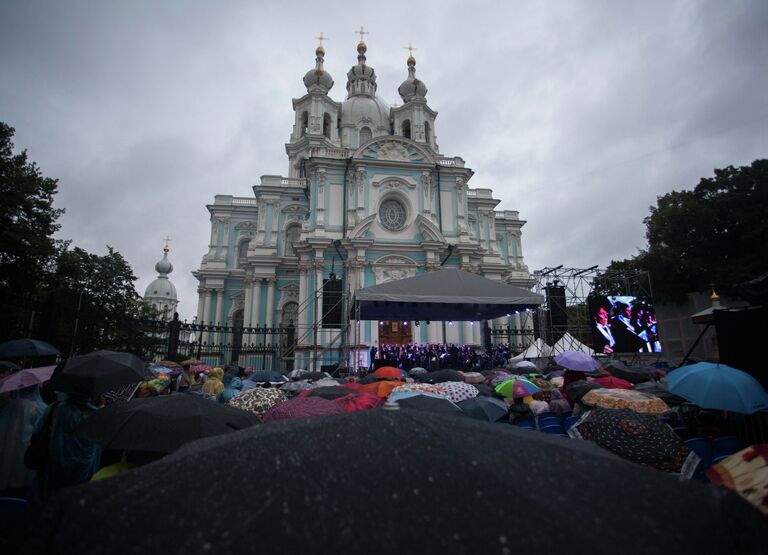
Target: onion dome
x=361, y=79
x=412, y=88
x=161, y=287
x=318, y=79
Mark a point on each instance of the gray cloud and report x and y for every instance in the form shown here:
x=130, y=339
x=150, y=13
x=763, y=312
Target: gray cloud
x=577, y=114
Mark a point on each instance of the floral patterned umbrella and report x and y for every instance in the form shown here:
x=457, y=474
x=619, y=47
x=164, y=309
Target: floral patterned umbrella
x=625, y=399
x=258, y=400
x=746, y=473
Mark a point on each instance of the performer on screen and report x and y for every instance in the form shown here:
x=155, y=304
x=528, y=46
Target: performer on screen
x=604, y=340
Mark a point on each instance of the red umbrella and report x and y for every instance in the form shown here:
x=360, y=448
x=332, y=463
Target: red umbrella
x=388, y=372
x=302, y=407
x=612, y=382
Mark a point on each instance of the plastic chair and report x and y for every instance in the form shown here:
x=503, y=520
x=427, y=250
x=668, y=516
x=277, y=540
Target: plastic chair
x=681, y=431
x=725, y=446
x=702, y=448
x=549, y=421
x=566, y=414
x=10, y=509
x=554, y=429
x=547, y=414
x=570, y=421
x=721, y=458
x=525, y=424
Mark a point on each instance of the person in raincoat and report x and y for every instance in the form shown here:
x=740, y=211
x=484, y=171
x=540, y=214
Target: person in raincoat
x=71, y=459
x=19, y=416
x=214, y=384
x=232, y=387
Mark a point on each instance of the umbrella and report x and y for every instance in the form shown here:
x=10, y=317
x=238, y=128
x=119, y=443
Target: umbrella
x=484, y=408
x=632, y=374
x=161, y=424
x=517, y=387
x=613, y=382
x=315, y=375
x=299, y=407
x=576, y=390
x=625, y=399
x=258, y=400
x=388, y=373
x=500, y=379
x=359, y=400
x=485, y=389
x=418, y=370
x=440, y=376
x=474, y=377
x=655, y=388
x=328, y=392
x=459, y=391
x=718, y=386
x=191, y=362
x=26, y=378
x=410, y=389
x=296, y=386
x=637, y=437
x=379, y=477
x=19, y=348
x=523, y=364
x=293, y=374
x=430, y=404
x=746, y=473
x=8, y=365
x=99, y=372
x=170, y=364
x=577, y=361
x=382, y=389
x=263, y=376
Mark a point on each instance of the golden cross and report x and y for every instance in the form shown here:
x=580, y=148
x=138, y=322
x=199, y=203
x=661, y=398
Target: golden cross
x=409, y=48
x=321, y=38
x=361, y=33
x=167, y=240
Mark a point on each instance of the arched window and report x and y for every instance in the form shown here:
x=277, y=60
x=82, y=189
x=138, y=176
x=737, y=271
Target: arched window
x=242, y=253
x=304, y=123
x=290, y=314
x=292, y=234
x=407, y=129
x=327, y=125
x=427, y=132
x=365, y=135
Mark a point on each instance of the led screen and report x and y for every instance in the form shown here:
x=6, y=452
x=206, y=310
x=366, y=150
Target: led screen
x=623, y=324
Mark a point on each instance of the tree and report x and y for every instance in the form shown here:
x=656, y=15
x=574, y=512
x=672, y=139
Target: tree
x=716, y=233
x=27, y=218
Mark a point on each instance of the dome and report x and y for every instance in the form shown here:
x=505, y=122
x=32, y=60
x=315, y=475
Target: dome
x=412, y=88
x=361, y=78
x=318, y=79
x=164, y=266
x=161, y=289
x=365, y=109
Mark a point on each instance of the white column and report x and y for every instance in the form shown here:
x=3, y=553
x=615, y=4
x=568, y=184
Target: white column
x=200, y=304
x=256, y=302
x=432, y=332
x=206, y=306
x=219, y=311
x=247, y=308
x=270, y=301
x=468, y=329
x=319, y=293
x=451, y=332
x=301, y=326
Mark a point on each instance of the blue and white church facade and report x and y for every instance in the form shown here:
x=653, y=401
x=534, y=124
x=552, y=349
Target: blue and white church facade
x=368, y=195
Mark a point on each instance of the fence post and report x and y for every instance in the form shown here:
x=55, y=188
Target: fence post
x=173, y=337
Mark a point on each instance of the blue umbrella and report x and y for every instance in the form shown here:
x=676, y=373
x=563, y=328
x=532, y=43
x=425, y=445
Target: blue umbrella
x=718, y=386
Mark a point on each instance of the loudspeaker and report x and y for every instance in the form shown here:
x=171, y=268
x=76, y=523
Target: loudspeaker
x=557, y=314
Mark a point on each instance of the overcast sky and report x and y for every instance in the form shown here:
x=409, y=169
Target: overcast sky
x=576, y=113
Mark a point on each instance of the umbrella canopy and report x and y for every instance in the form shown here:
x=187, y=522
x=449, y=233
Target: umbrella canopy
x=191, y=362
x=625, y=399
x=634, y=374
x=459, y=391
x=613, y=382
x=417, y=370
x=517, y=388
x=576, y=390
x=388, y=373
x=523, y=364
x=746, y=473
x=474, y=377
x=99, y=372
x=26, y=378
x=440, y=376
x=19, y=348
x=6, y=366
x=381, y=389
x=296, y=386
x=303, y=407
x=298, y=373
x=718, y=386
x=499, y=379
x=637, y=437
x=161, y=424
x=393, y=467
x=485, y=389
x=654, y=388
x=327, y=392
x=484, y=408
x=429, y=403
x=410, y=389
x=258, y=400
x=170, y=364
x=577, y=361
x=359, y=400
x=315, y=375
x=264, y=376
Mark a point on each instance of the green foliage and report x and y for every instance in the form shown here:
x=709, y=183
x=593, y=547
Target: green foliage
x=27, y=218
x=716, y=233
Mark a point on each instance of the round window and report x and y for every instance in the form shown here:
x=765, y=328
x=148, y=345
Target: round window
x=392, y=214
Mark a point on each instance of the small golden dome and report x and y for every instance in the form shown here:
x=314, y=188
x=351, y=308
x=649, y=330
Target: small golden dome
x=320, y=51
x=411, y=61
x=361, y=47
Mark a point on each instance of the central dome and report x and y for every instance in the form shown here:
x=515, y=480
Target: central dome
x=362, y=107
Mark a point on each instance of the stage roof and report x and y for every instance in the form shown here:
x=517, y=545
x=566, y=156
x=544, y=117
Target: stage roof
x=448, y=294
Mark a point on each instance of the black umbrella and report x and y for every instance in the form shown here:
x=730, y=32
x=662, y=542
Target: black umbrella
x=485, y=389
x=330, y=392
x=429, y=403
x=640, y=438
x=99, y=372
x=6, y=365
x=440, y=376
x=389, y=482
x=654, y=388
x=484, y=408
x=161, y=424
x=18, y=348
x=634, y=374
x=576, y=390
x=315, y=376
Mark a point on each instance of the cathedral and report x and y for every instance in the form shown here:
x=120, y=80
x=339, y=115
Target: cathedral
x=368, y=198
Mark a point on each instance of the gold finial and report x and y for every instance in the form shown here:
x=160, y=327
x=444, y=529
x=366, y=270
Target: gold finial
x=410, y=49
x=714, y=297
x=361, y=32
x=166, y=248
x=321, y=38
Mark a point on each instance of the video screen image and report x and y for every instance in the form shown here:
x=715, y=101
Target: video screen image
x=623, y=324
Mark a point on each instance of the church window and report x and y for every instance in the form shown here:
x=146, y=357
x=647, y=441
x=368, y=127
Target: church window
x=242, y=253
x=365, y=135
x=292, y=234
x=407, y=129
x=304, y=123
x=327, y=125
x=427, y=132
x=392, y=214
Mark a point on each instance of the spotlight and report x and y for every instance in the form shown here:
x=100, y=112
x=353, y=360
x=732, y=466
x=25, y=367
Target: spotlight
x=381, y=323
x=405, y=323
x=508, y=315
x=358, y=322
x=417, y=323
x=471, y=323
x=450, y=323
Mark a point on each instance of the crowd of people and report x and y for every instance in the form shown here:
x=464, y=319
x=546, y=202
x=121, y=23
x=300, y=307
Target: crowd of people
x=436, y=356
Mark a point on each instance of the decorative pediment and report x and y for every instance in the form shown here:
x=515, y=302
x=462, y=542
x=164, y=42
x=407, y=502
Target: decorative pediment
x=289, y=293
x=395, y=259
x=295, y=209
x=429, y=230
x=361, y=229
x=392, y=267
x=395, y=150
x=387, y=182
x=246, y=226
